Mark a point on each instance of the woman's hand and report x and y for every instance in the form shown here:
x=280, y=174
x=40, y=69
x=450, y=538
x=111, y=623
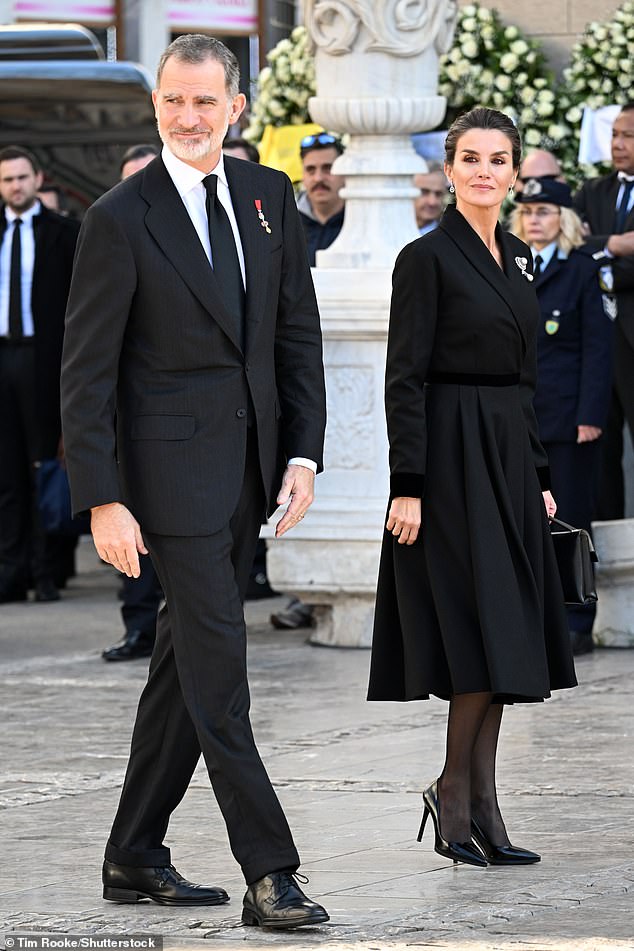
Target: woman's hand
x=404, y=520
x=588, y=433
x=550, y=504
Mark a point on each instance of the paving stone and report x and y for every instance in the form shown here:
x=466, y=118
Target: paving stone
x=350, y=776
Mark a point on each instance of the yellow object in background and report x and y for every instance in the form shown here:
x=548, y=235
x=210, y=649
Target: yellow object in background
x=279, y=147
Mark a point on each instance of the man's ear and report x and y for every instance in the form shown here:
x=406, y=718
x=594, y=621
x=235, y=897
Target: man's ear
x=237, y=107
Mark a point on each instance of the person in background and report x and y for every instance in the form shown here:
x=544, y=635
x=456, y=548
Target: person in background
x=53, y=198
x=36, y=260
x=429, y=205
x=135, y=158
x=140, y=597
x=320, y=206
x=606, y=205
x=240, y=148
x=539, y=164
x=574, y=360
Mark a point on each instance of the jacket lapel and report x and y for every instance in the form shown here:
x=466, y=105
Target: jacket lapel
x=256, y=257
x=506, y=283
x=607, y=204
x=169, y=224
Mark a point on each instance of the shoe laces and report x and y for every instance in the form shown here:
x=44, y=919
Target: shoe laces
x=294, y=878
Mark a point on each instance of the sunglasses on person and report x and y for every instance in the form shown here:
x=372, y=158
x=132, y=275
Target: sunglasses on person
x=319, y=140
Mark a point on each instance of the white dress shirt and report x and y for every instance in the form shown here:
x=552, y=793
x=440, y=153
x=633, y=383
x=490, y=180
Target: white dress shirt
x=27, y=257
x=188, y=183
x=546, y=254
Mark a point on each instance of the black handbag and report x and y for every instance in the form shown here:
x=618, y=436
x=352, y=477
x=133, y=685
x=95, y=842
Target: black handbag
x=575, y=555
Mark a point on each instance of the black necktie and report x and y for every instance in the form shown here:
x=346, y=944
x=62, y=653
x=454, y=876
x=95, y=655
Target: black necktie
x=622, y=211
x=224, y=255
x=537, y=270
x=15, y=284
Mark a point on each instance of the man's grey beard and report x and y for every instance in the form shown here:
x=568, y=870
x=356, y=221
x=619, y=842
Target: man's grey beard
x=190, y=151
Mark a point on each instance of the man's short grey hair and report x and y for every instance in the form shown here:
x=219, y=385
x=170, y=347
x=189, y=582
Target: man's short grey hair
x=195, y=48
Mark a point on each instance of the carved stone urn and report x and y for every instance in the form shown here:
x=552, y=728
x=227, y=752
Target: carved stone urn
x=377, y=71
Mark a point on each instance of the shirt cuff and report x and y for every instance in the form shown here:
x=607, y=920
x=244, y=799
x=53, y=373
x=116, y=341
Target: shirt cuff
x=300, y=461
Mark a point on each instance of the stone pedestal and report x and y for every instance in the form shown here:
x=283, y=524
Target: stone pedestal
x=377, y=69
x=614, y=624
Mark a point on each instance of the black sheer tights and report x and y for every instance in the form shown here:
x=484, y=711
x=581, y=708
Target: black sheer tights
x=467, y=783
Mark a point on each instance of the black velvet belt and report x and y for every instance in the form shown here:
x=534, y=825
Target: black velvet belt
x=475, y=379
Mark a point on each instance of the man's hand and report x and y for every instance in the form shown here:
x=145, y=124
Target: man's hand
x=404, y=520
x=588, y=433
x=620, y=245
x=297, y=485
x=117, y=537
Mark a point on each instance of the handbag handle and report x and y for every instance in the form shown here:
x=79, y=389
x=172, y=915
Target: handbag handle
x=571, y=528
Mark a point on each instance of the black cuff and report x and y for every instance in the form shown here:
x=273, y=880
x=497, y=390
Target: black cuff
x=543, y=474
x=407, y=485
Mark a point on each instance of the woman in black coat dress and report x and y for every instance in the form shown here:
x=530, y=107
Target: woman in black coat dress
x=469, y=604
x=574, y=360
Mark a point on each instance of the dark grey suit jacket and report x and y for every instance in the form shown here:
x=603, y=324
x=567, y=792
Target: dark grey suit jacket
x=148, y=340
x=595, y=202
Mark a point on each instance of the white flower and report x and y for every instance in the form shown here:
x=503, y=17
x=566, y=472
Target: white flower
x=509, y=62
x=453, y=73
x=498, y=99
x=531, y=57
x=601, y=33
x=574, y=114
x=483, y=14
x=528, y=95
x=519, y=47
x=470, y=49
x=544, y=109
x=469, y=24
x=511, y=32
x=299, y=33
x=557, y=132
x=265, y=75
x=612, y=63
x=455, y=54
x=487, y=32
x=469, y=11
x=503, y=83
x=532, y=137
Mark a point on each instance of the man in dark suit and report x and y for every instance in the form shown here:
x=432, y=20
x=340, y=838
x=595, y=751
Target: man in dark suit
x=36, y=259
x=219, y=399
x=607, y=206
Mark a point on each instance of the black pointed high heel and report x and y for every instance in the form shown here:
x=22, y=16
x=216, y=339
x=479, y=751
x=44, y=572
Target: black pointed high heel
x=501, y=854
x=457, y=851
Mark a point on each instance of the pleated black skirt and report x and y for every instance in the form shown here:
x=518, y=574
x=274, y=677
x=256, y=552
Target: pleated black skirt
x=475, y=604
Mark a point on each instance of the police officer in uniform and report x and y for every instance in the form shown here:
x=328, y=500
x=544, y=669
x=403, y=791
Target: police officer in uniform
x=574, y=359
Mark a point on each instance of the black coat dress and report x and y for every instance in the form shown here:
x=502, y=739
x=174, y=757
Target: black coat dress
x=475, y=604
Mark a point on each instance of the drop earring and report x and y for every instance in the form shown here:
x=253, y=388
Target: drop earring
x=511, y=192
x=452, y=188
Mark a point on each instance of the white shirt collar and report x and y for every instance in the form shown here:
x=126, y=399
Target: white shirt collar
x=185, y=177
x=24, y=215
x=624, y=177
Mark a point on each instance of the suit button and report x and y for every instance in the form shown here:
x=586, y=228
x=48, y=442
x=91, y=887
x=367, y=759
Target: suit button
x=247, y=367
x=241, y=413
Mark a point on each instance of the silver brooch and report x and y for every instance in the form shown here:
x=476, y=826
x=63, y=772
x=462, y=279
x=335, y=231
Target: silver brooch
x=522, y=264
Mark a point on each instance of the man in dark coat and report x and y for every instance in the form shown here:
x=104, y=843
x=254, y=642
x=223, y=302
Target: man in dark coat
x=219, y=398
x=36, y=259
x=321, y=208
x=607, y=206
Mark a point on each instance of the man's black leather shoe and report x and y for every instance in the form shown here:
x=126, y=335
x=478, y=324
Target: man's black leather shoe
x=277, y=901
x=164, y=885
x=8, y=595
x=134, y=644
x=46, y=591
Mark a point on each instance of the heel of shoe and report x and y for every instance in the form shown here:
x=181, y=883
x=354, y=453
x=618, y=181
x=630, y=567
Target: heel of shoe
x=423, y=823
x=249, y=919
x=122, y=895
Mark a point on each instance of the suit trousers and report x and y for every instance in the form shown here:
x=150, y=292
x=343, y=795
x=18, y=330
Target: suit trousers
x=197, y=699
x=611, y=503
x=23, y=543
x=141, y=598
x=574, y=470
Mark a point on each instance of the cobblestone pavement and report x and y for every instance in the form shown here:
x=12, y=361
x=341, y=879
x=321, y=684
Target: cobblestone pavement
x=349, y=774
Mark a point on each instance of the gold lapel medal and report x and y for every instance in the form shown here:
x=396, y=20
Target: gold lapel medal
x=263, y=221
x=522, y=264
x=552, y=325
